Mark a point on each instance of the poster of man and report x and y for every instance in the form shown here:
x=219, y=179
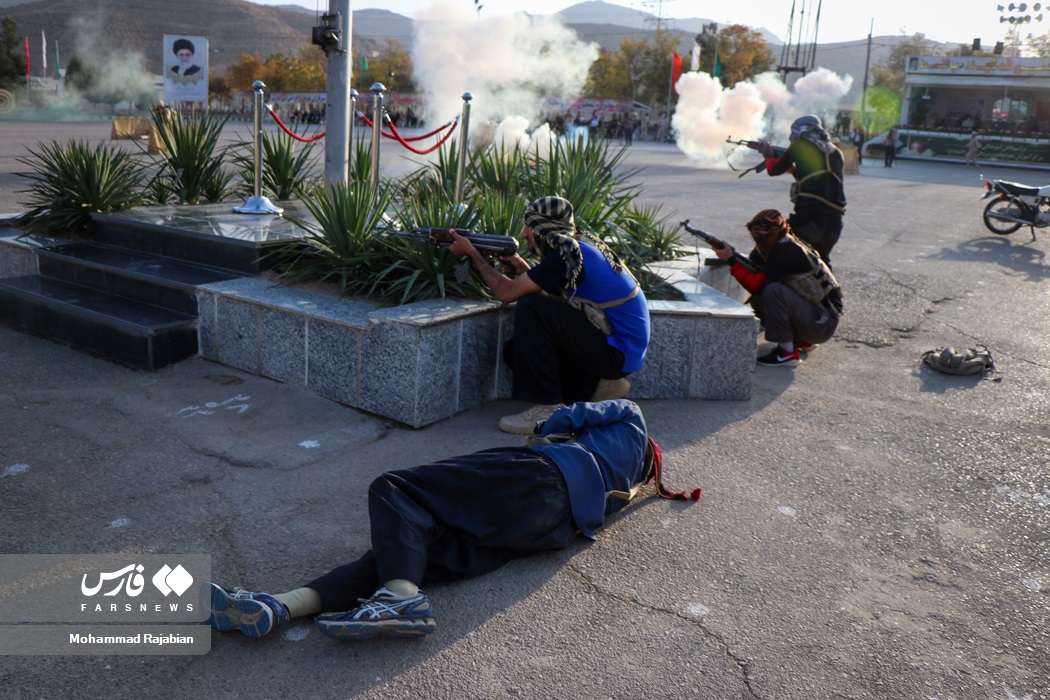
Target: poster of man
x=185, y=68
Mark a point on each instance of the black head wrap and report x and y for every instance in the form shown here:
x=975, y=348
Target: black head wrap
x=552, y=220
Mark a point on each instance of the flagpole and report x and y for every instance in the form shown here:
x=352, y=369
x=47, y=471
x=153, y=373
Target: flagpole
x=670, y=87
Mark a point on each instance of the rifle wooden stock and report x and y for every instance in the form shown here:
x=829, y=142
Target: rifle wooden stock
x=502, y=246
x=714, y=240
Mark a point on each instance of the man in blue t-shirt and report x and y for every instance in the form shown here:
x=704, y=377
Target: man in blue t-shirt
x=581, y=323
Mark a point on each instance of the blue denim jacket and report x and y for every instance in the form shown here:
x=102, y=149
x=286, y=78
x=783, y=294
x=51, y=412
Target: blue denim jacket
x=608, y=454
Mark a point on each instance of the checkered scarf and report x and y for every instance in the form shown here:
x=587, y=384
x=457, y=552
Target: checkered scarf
x=552, y=220
x=767, y=227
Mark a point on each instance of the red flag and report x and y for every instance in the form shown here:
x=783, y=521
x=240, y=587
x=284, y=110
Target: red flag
x=27, y=57
x=676, y=69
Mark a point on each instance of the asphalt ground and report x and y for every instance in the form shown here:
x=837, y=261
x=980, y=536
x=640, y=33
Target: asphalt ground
x=869, y=528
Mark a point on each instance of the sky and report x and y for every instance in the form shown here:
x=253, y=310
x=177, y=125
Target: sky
x=959, y=21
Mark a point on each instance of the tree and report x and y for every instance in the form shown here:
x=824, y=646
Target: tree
x=708, y=40
x=639, y=70
x=391, y=65
x=889, y=73
x=743, y=52
x=1038, y=45
x=241, y=74
x=12, y=55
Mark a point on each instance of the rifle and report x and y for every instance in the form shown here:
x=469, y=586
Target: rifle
x=757, y=146
x=716, y=243
x=502, y=246
x=486, y=243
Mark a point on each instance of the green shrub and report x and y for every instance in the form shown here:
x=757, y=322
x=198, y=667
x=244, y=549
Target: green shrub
x=286, y=166
x=74, y=180
x=191, y=158
x=342, y=245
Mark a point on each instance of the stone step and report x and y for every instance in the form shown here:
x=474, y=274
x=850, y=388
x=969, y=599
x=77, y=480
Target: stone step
x=212, y=235
x=151, y=279
x=118, y=328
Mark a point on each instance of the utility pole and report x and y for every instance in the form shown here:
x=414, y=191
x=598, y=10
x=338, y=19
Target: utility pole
x=867, y=67
x=333, y=36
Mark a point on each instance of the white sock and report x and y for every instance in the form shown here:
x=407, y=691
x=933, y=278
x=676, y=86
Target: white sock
x=301, y=601
x=401, y=587
x=788, y=347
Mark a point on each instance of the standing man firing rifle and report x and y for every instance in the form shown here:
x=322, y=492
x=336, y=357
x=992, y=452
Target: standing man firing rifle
x=581, y=323
x=817, y=193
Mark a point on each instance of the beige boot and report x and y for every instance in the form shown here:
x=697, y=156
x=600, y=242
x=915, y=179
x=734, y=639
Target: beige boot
x=524, y=423
x=609, y=389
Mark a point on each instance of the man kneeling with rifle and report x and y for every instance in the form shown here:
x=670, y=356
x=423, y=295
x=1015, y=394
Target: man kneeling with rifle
x=792, y=290
x=581, y=323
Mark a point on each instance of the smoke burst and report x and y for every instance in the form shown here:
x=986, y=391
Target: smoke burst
x=764, y=108
x=508, y=64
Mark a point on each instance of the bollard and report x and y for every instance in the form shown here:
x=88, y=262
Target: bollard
x=258, y=204
x=377, y=128
x=464, y=132
x=350, y=130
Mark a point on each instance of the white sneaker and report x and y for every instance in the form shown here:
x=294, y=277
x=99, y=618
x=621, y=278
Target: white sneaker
x=524, y=423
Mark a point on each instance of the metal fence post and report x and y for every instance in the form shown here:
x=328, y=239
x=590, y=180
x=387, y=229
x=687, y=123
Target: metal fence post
x=258, y=204
x=377, y=128
x=464, y=133
x=350, y=129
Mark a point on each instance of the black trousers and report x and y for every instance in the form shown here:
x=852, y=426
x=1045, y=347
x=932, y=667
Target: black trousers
x=556, y=354
x=454, y=519
x=818, y=226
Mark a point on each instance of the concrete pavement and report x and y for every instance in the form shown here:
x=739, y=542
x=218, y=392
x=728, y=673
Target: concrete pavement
x=869, y=528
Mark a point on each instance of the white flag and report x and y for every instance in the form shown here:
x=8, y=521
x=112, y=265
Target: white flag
x=43, y=49
x=694, y=65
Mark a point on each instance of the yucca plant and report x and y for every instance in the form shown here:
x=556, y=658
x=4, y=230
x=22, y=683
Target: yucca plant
x=589, y=175
x=71, y=181
x=286, y=166
x=361, y=161
x=192, y=159
x=340, y=244
x=421, y=270
x=643, y=235
x=497, y=168
x=434, y=180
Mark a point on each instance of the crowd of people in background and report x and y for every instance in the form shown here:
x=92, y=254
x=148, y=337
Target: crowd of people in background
x=624, y=127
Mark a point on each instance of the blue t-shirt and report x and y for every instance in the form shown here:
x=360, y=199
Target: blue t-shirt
x=598, y=283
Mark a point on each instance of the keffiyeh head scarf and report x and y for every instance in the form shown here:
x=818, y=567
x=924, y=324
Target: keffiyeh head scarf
x=767, y=227
x=809, y=128
x=552, y=220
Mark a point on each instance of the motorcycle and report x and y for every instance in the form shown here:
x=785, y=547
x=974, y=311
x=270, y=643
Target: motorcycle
x=1016, y=205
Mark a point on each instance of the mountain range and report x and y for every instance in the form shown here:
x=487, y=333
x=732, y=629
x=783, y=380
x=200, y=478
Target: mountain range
x=239, y=26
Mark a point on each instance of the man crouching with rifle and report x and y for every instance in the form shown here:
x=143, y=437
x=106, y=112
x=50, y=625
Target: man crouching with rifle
x=581, y=322
x=792, y=290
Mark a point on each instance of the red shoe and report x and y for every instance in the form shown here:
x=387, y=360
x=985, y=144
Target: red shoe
x=803, y=346
x=780, y=357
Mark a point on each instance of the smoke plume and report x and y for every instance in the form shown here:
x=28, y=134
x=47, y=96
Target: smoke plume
x=508, y=64
x=764, y=108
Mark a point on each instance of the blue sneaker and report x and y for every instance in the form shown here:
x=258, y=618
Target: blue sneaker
x=382, y=615
x=254, y=614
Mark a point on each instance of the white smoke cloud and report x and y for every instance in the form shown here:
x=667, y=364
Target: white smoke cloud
x=507, y=63
x=119, y=72
x=763, y=108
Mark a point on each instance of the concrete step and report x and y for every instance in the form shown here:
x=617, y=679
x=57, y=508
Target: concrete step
x=151, y=279
x=116, y=327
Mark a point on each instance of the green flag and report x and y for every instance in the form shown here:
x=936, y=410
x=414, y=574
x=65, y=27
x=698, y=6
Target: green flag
x=717, y=72
x=58, y=73
x=364, y=63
